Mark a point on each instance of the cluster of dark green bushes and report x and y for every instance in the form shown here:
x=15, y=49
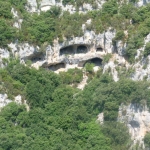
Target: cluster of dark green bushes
x=72, y=76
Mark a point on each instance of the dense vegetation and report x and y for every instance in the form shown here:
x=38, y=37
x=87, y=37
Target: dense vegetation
x=63, y=117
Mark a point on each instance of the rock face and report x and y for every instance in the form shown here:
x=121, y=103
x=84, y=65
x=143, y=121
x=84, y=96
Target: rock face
x=18, y=20
x=80, y=49
x=137, y=118
x=44, y=5
x=4, y=100
x=142, y=67
x=72, y=52
x=142, y=3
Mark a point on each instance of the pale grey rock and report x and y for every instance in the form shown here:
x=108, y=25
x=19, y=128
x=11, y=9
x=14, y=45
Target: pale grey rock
x=110, y=65
x=4, y=100
x=18, y=20
x=44, y=5
x=141, y=3
x=83, y=82
x=23, y=50
x=89, y=39
x=137, y=119
x=32, y=6
x=100, y=118
x=142, y=67
x=4, y=54
x=121, y=48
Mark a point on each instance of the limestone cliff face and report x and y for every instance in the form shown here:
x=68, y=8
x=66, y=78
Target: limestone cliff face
x=142, y=3
x=44, y=5
x=137, y=119
x=75, y=51
x=4, y=100
x=142, y=67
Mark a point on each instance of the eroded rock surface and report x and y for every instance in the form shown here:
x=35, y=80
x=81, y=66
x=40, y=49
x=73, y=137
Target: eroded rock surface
x=137, y=118
x=44, y=5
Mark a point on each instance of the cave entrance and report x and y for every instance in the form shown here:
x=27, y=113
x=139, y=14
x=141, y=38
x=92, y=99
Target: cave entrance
x=57, y=66
x=99, y=49
x=67, y=50
x=95, y=61
x=82, y=49
x=36, y=57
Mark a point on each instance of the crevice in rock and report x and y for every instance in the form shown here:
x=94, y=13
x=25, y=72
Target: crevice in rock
x=99, y=49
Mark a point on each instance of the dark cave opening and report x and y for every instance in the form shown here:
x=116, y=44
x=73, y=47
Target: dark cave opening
x=57, y=66
x=37, y=57
x=67, y=51
x=95, y=61
x=82, y=49
x=73, y=49
x=99, y=49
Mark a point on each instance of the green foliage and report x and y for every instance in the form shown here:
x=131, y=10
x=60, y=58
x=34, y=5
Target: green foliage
x=106, y=58
x=114, y=132
x=72, y=76
x=5, y=10
x=147, y=140
x=6, y=32
x=147, y=49
x=134, y=43
x=119, y=35
x=63, y=117
x=110, y=7
x=89, y=67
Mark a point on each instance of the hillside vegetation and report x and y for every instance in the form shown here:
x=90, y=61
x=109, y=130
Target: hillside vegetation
x=62, y=117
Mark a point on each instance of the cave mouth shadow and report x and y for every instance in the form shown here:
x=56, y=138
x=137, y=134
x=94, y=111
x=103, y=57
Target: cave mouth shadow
x=81, y=49
x=36, y=57
x=56, y=67
x=96, y=61
x=73, y=49
x=69, y=50
x=99, y=49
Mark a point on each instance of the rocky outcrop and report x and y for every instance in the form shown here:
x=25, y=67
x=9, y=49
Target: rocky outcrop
x=4, y=100
x=72, y=52
x=142, y=66
x=17, y=19
x=137, y=119
x=4, y=55
x=142, y=3
x=44, y=5
x=97, y=46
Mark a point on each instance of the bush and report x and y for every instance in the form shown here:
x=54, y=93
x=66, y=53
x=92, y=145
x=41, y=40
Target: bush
x=147, y=49
x=147, y=140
